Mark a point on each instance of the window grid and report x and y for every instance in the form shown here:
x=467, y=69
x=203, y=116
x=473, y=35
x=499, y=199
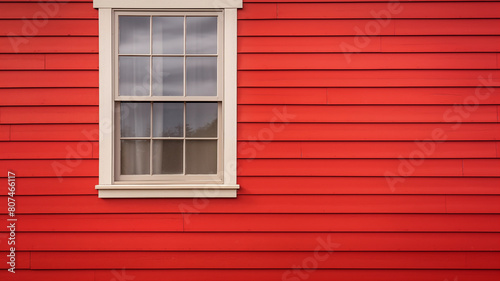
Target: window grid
x=152, y=99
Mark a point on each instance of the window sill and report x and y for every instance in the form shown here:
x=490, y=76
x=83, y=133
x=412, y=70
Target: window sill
x=167, y=191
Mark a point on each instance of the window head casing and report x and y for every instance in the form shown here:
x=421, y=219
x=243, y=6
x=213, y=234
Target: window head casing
x=167, y=98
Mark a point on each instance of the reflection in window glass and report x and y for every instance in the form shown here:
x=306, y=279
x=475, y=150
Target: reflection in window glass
x=133, y=76
x=201, y=119
x=134, y=157
x=168, y=35
x=168, y=157
x=134, y=35
x=201, y=35
x=168, y=76
x=201, y=76
x=135, y=119
x=201, y=157
x=168, y=119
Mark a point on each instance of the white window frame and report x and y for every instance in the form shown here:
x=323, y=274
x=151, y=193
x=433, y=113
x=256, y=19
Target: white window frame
x=108, y=187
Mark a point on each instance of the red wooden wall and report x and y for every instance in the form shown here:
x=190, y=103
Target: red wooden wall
x=325, y=138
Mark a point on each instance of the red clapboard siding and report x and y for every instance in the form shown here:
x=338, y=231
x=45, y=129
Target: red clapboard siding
x=362, y=132
x=23, y=260
x=365, y=114
x=367, y=185
x=252, y=150
x=342, y=222
x=49, y=114
x=51, y=27
x=49, y=45
x=70, y=166
x=49, y=96
x=16, y=79
x=252, y=274
x=71, y=61
x=145, y=260
x=262, y=204
x=54, y=275
x=366, y=61
x=371, y=78
x=385, y=96
x=5, y=132
x=44, y=11
x=56, y=186
x=231, y=241
x=46, y=150
x=482, y=167
x=350, y=27
x=389, y=10
x=391, y=44
x=15, y=62
x=201, y=222
x=352, y=167
x=102, y=223
x=318, y=275
x=73, y=132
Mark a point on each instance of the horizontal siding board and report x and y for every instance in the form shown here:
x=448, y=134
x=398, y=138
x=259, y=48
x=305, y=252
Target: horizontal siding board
x=242, y=241
x=251, y=274
x=372, y=78
x=57, y=186
x=382, y=96
x=49, y=45
x=101, y=223
x=482, y=167
x=19, y=31
x=67, y=167
x=22, y=61
x=4, y=132
x=157, y=260
x=53, y=275
x=366, y=61
x=368, y=132
x=366, y=114
x=262, y=204
x=55, y=132
x=46, y=150
x=389, y=44
x=72, y=61
x=350, y=27
x=49, y=114
x=342, y=222
x=241, y=223
x=351, y=167
x=22, y=260
x=44, y=11
x=388, y=11
x=49, y=96
x=17, y=79
x=367, y=185
x=253, y=150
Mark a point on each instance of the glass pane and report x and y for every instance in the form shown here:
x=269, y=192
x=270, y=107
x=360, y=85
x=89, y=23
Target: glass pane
x=201, y=76
x=135, y=119
x=168, y=77
x=134, y=157
x=201, y=35
x=201, y=157
x=168, y=119
x=133, y=76
x=168, y=35
x=167, y=156
x=134, y=35
x=201, y=119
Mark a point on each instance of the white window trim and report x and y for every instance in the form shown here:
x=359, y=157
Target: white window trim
x=107, y=186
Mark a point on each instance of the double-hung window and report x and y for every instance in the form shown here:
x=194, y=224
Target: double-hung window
x=167, y=98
